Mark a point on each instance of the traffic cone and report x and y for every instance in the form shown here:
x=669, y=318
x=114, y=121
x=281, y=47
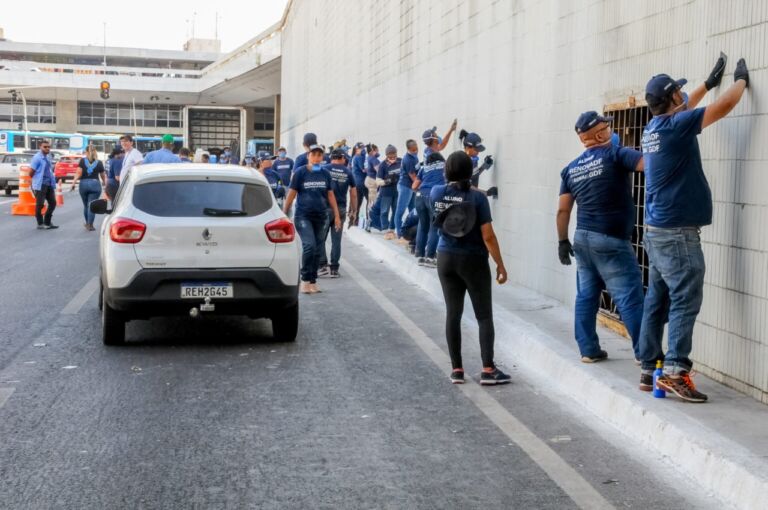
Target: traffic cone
x=59, y=195
x=25, y=206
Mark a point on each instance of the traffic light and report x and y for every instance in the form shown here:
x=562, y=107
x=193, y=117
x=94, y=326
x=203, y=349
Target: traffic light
x=104, y=90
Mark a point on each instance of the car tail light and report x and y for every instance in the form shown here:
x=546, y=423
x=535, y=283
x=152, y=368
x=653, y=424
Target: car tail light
x=127, y=231
x=280, y=231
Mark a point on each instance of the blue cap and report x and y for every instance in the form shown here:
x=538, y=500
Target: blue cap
x=590, y=119
x=662, y=85
x=473, y=140
x=310, y=139
x=315, y=147
x=430, y=134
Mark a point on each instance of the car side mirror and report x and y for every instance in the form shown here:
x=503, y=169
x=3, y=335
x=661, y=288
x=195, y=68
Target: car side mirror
x=99, y=206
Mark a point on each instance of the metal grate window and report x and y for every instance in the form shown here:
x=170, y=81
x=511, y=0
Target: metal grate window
x=629, y=123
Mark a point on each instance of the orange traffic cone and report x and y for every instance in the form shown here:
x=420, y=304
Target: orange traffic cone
x=59, y=195
x=26, y=203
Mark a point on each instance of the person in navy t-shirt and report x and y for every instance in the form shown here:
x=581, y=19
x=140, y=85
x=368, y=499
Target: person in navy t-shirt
x=405, y=194
x=387, y=177
x=371, y=169
x=678, y=202
x=342, y=183
x=266, y=167
x=431, y=173
x=473, y=146
x=283, y=165
x=358, y=171
x=462, y=265
x=599, y=181
x=311, y=188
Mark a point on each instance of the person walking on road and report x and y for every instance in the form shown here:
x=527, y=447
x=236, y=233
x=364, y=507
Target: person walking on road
x=371, y=170
x=387, y=177
x=678, y=202
x=342, y=182
x=358, y=171
x=132, y=156
x=164, y=154
x=599, y=181
x=283, y=165
x=463, y=217
x=92, y=178
x=43, y=186
x=312, y=189
x=114, y=168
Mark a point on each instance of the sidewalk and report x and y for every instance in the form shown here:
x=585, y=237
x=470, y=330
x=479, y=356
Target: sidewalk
x=722, y=445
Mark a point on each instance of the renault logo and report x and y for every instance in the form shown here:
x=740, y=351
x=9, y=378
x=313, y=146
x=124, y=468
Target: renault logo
x=207, y=235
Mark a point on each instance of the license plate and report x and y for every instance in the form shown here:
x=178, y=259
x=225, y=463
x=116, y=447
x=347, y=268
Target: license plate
x=202, y=290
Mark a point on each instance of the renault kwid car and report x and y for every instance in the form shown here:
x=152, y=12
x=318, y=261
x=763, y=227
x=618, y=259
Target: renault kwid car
x=196, y=240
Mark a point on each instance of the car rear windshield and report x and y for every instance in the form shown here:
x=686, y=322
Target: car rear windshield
x=181, y=199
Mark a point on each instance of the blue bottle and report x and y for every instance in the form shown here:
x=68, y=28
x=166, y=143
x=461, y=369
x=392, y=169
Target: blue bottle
x=657, y=392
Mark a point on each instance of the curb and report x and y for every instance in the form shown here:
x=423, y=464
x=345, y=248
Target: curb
x=728, y=470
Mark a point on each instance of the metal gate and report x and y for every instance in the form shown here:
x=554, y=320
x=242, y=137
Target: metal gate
x=213, y=129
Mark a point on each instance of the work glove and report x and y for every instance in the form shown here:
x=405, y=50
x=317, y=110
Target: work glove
x=488, y=161
x=741, y=72
x=716, y=76
x=565, y=252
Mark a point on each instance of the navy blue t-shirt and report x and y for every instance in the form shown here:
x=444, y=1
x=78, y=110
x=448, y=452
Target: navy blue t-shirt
x=275, y=182
x=284, y=167
x=409, y=166
x=677, y=193
x=389, y=172
x=372, y=166
x=443, y=196
x=341, y=180
x=600, y=182
x=432, y=174
x=358, y=169
x=312, y=188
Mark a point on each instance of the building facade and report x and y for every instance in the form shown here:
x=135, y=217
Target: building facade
x=519, y=72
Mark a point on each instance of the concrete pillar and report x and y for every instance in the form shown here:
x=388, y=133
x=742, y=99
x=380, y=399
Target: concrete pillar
x=66, y=116
x=277, y=122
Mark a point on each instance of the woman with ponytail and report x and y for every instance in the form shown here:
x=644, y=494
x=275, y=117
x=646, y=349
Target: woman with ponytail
x=463, y=218
x=473, y=146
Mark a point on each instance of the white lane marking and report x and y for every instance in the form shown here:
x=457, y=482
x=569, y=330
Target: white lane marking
x=79, y=299
x=567, y=478
x=5, y=394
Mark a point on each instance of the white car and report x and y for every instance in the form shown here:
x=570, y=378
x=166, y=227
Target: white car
x=10, y=163
x=196, y=239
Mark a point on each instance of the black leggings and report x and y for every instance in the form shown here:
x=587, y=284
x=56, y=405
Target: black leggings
x=459, y=274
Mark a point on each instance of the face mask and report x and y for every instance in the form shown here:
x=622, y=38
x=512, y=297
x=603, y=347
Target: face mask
x=440, y=140
x=281, y=154
x=475, y=160
x=315, y=167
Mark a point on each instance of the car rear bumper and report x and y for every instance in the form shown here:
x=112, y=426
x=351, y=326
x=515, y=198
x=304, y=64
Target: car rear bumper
x=157, y=292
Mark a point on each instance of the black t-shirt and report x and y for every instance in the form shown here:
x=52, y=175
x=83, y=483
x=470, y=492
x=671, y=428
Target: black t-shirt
x=97, y=169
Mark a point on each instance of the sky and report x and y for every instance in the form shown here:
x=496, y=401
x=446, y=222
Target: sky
x=141, y=23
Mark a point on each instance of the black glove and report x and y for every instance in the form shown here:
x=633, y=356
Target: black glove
x=565, y=251
x=741, y=72
x=488, y=161
x=716, y=76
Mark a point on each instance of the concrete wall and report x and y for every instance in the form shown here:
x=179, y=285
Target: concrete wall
x=519, y=72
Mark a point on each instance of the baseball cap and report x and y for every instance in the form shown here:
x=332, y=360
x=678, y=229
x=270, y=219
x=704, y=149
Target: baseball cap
x=661, y=86
x=315, y=147
x=473, y=140
x=590, y=119
x=167, y=138
x=310, y=139
x=391, y=149
x=429, y=134
x=338, y=153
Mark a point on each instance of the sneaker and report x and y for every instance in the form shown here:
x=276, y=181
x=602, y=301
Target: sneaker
x=600, y=356
x=314, y=289
x=41, y=227
x=495, y=377
x=305, y=288
x=402, y=240
x=389, y=236
x=457, y=377
x=51, y=227
x=646, y=381
x=430, y=262
x=682, y=386
x=334, y=273
x=421, y=261
x=323, y=272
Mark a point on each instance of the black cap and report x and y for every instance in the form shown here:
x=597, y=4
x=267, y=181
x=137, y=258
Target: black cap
x=590, y=119
x=338, y=154
x=310, y=139
x=473, y=140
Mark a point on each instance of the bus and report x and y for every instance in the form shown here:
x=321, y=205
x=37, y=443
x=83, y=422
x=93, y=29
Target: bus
x=76, y=143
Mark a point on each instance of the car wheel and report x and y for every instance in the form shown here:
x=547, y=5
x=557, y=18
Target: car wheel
x=285, y=323
x=112, y=325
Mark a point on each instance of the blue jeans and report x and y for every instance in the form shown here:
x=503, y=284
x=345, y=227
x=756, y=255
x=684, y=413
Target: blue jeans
x=675, y=293
x=426, y=235
x=387, y=204
x=605, y=262
x=90, y=190
x=312, y=231
x=404, y=203
x=335, y=242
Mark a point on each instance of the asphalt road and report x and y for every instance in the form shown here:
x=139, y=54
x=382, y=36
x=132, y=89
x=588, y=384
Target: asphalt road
x=212, y=413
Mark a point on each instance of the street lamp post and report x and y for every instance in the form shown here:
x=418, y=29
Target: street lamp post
x=14, y=93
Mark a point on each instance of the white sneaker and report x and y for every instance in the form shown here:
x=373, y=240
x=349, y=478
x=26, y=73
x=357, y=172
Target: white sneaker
x=323, y=272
